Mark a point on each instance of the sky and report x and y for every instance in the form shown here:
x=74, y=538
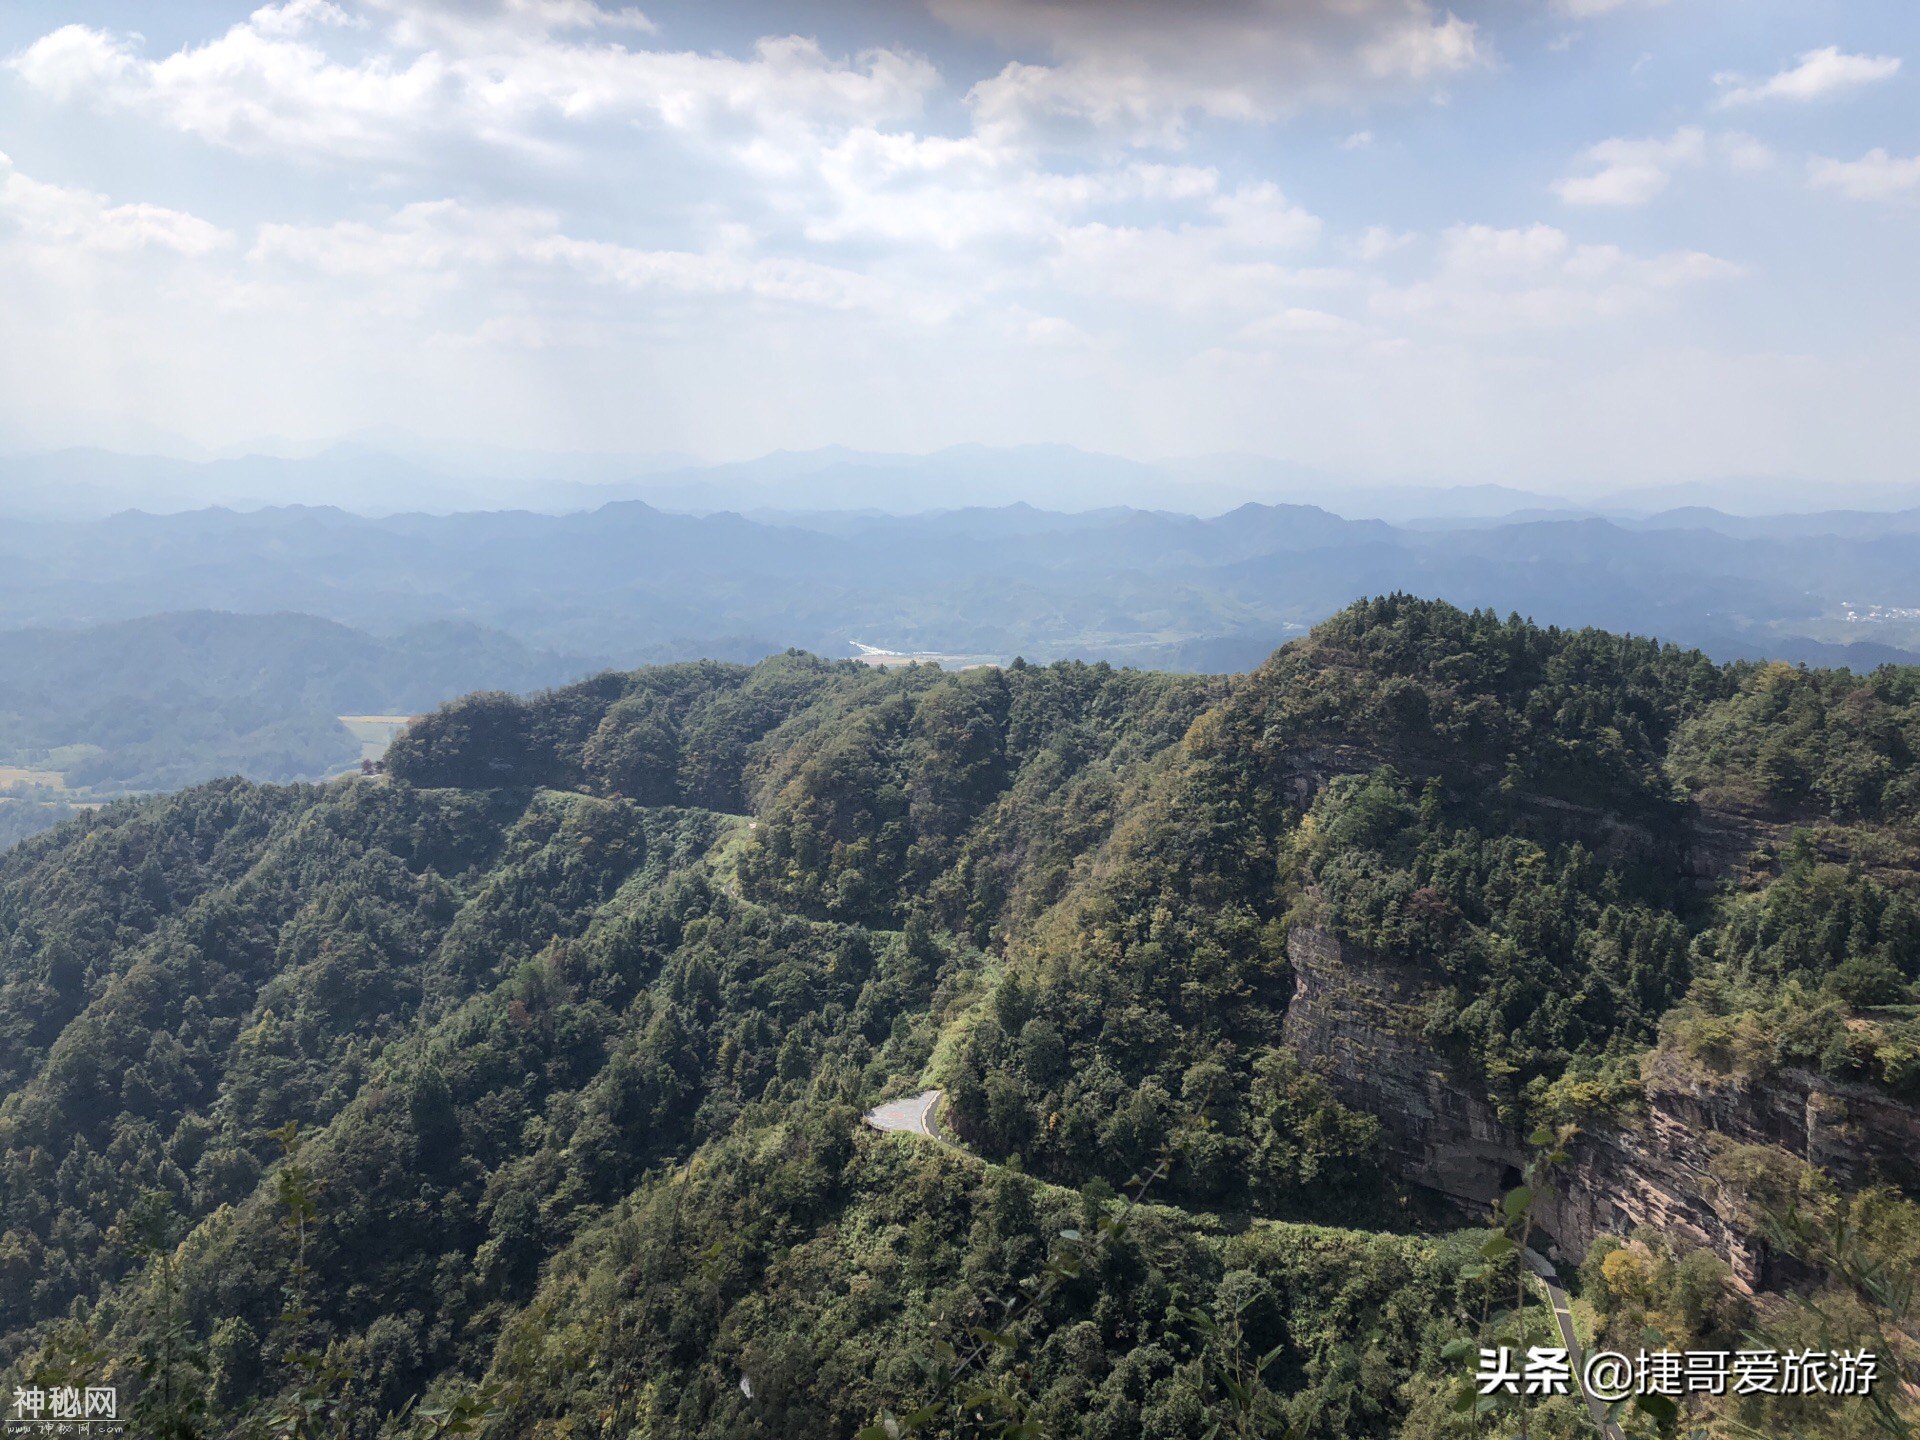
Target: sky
x=1553, y=243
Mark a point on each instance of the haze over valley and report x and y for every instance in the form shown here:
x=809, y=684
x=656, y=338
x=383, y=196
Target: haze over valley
x=152, y=650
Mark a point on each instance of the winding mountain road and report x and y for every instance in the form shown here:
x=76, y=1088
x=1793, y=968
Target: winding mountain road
x=1563, y=1314
x=912, y=1115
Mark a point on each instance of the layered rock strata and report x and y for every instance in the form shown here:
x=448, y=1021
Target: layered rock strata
x=1357, y=1018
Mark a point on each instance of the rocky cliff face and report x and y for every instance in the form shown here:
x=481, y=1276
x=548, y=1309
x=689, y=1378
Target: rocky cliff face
x=1355, y=1018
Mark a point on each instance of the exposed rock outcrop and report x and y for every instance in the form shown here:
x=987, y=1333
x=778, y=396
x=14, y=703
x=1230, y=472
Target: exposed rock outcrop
x=1356, y=1017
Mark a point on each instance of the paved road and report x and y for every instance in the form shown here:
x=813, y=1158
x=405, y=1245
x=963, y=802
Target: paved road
x=1557, y=1296
x=913, y=1115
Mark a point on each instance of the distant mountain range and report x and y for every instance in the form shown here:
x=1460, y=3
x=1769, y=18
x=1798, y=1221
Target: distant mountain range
x=389, y=474
x=149, y=651
x=630, y=582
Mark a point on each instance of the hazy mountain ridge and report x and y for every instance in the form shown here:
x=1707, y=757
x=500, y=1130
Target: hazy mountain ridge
x=388, y=473
x=323, y=611
x=1110, y=584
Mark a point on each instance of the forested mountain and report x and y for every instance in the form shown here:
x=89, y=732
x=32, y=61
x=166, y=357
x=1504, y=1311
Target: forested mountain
x=166, y=649
x=523, y=1088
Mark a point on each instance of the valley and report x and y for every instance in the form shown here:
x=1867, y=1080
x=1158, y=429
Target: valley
x=155, y=651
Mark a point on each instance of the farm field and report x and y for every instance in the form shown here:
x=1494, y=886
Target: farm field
x=375, y=732
x=893, y=659
x=11, y=775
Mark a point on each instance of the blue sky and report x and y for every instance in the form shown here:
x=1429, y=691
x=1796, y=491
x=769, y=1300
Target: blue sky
x=1560, y=243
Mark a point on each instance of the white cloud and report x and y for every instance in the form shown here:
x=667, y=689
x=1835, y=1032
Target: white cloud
x=1632, y=172
x=1240, y=251
x=73, y=61
x=1378, y=241
x=821, y=168
x=1194, y=271
x=1259, y=217
x=1137, y=70
x=773, y=244
x=296, y=16
x=1819, y=74
x=428, y=250
x=1049, y=330
x=1298, y=323
x=62, y=218
x=1874, y=176
x=266, y=85
x=1624, y=173
x=251, y=89
x=954, y=192
x=459, y=22
x=1594, y=9
x=1489, y=280
x=1744, y=152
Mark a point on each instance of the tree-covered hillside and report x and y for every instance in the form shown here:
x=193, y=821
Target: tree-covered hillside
x=173, y=648
x=523, y=1089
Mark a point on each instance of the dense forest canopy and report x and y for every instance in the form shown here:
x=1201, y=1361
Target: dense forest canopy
x=530, y=1077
